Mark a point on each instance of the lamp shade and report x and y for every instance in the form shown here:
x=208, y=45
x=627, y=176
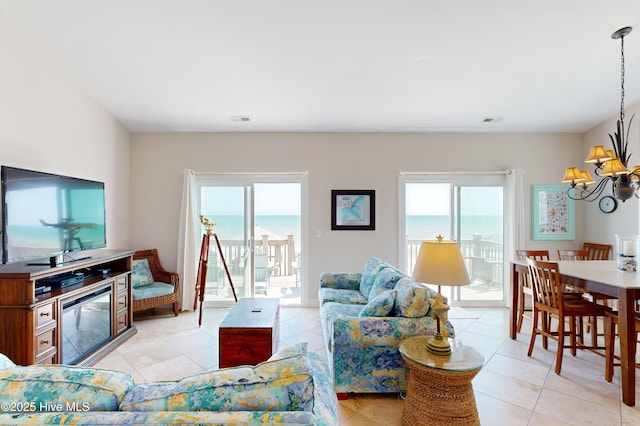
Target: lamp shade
x=613, y=167
x=572, y=175
x=440, y=263
x=586, y=178
x=597, y=154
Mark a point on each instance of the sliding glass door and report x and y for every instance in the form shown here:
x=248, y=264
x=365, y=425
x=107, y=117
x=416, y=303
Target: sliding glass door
x=260, y=236
x=467, y=209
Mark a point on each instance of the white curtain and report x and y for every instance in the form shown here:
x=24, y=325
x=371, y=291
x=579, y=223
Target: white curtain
x=515, y=212
x=188, y=241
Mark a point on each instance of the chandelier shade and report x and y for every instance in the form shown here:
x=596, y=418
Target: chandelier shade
x=598, y=155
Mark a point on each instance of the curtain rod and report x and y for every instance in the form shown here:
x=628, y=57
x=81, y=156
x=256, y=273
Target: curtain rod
x=304, y=173
x=498, y=172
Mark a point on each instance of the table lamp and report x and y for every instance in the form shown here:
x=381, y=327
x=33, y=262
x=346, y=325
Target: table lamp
x=440, y=262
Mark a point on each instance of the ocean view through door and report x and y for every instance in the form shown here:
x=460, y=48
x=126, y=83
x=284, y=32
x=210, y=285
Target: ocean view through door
x=469, y=210
x=259, y=229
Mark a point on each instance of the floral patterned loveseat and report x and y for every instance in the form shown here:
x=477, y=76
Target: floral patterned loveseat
x=365, y=315
x=293, y=387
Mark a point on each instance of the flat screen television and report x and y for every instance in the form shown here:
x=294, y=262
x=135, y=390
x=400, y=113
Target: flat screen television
x=45, y=214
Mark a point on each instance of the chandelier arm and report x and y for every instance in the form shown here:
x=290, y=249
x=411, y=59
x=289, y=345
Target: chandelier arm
x=589, y=196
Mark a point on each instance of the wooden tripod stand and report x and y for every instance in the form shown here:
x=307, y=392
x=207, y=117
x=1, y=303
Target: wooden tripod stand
x=203, y=265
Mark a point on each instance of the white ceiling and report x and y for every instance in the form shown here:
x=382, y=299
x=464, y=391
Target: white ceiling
x=343, y=65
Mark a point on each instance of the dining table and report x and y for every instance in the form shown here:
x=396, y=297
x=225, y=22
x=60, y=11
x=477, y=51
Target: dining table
x=600, y=276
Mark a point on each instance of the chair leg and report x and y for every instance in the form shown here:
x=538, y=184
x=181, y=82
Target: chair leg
x=546, y=324
x=175, y=308
x=572, y=334
x=520, y=311
x=560, y=344
x=609, y=341
x=534, y=331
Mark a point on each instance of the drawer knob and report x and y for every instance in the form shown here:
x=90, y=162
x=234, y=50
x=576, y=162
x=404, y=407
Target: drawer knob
x=44, y=342
x=45, y=314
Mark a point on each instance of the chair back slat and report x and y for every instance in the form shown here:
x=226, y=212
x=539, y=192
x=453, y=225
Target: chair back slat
x=533, y=254
x=546, y=283
x=598, y=251
x=573, y=254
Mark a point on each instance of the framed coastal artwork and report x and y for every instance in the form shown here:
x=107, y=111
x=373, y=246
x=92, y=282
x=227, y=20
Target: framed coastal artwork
x=553, y=215
x=353, y=210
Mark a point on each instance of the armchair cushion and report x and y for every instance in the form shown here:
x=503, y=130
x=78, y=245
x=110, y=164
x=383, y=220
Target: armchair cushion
x=379, y=306
x=154, y=289
x=141, y=273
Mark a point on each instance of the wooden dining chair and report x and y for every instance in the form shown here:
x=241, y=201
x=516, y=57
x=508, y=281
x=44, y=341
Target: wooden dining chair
x=598, y=251
x=610, y=326
x=524, y=284
x=549, y=297
x=592, y=324
x=573, y=254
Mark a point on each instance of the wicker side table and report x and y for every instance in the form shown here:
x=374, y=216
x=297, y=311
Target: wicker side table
x=439, y=391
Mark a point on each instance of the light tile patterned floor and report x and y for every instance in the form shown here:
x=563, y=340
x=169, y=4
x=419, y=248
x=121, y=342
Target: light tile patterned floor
x=511, y=389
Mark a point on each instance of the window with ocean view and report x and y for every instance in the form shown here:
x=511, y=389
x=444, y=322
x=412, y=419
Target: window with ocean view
x=259, y=229
x=471, y=214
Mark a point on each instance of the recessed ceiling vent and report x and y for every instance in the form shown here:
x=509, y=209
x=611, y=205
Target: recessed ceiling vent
x=240, y=118
x=492, y=119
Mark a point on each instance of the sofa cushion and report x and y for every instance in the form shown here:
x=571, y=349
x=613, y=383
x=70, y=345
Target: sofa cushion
x=385, y=280
x=152, y=290
x=141, y=273
x=379, y=306
x=280, y=385
x=5, y=362
x=353, y=297
x=369, y=273
x=75, y=388
x=411, y=299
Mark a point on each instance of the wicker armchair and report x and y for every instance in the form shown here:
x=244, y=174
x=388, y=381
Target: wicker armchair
x=160, y=275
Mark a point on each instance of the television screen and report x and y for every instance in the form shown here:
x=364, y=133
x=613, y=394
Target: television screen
x=46, y=214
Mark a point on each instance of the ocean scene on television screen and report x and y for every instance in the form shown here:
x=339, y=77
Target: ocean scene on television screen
x=24, y=242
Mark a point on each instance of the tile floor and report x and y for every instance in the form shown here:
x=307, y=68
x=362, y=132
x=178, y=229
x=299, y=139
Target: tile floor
x=511, y=389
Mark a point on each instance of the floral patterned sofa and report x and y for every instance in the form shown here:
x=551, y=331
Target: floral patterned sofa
x=292, y=387
x=365, y=316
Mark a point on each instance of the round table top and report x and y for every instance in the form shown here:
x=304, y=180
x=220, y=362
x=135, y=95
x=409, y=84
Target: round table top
x=462, y=358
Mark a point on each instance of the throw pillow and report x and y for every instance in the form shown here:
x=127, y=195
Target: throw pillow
x=380, y=306
x=386, y=280
x=297, y=349
x=141, y=273
x=411, y=299
x=371, y=269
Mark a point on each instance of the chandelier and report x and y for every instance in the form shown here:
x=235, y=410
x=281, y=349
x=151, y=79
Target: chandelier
x=610, y=165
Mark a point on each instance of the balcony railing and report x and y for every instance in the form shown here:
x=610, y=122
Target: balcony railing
x=484, y=258
x=281, y=255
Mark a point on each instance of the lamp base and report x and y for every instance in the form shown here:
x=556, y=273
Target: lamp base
x=436, y=345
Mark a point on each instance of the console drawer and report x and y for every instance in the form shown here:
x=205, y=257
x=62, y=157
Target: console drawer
x=121, y=284
x=121, y=301
x=45, y=314
x=122, y=322
x=45, y=341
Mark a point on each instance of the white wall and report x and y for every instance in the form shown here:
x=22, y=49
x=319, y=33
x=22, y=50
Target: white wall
x=334, y=161
x=47, y=123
